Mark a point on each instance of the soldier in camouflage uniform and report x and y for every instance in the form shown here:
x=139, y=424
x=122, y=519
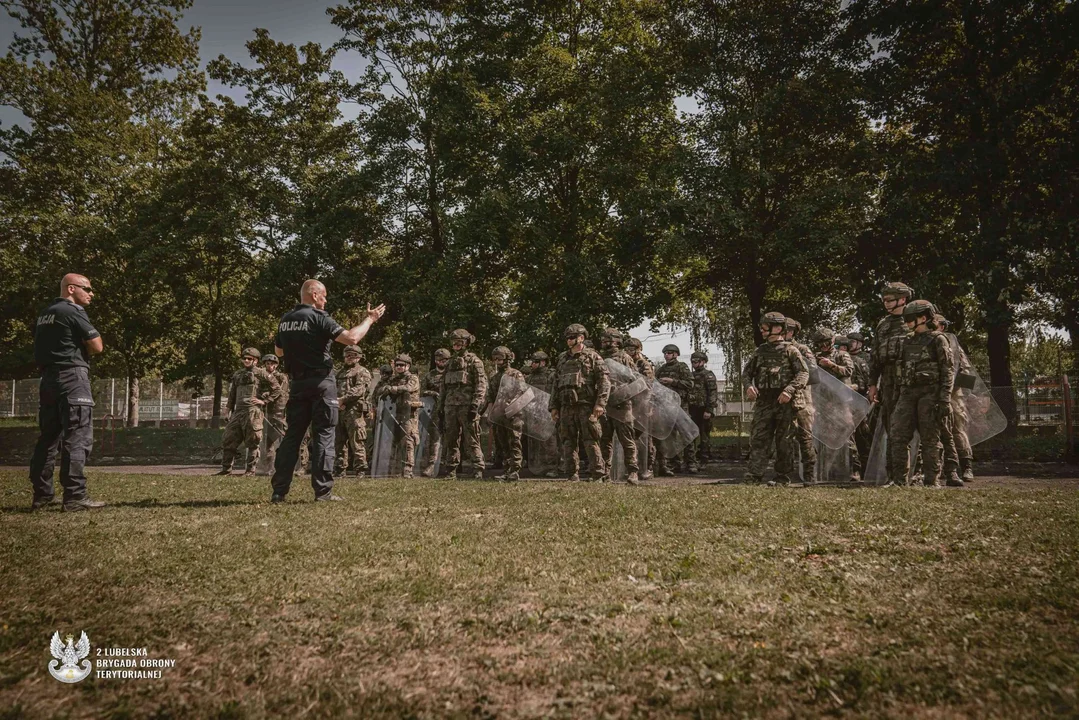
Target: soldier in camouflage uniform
x=542, y=378
x=353, y=385
x=958, y=456
x=582, y=387
x=860, y=382
x=251, y=389
x=403, y=388
x=645, y=367
x=925, y=375
x=677, y=376
x=611, y=348
x=774, y=376
x=273, y=423
x=430, y=388
x=837, y=362
x=508, y=437
x=891, y=331
x=703, y=404
x=462, y=395
x=802, y=432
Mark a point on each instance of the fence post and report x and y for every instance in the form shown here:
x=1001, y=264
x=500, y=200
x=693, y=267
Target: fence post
x=1069, y=417
x=12, y=398
x=160, y=401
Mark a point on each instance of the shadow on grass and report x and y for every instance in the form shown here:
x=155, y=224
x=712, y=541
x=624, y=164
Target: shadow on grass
x=56, y=506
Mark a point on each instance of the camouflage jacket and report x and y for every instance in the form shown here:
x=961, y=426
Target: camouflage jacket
x=580, y=379
x=681, y=378
x=811, y=365
x=644, y=366
x=859, y=379
x=404, y=390
x=705, y=393
x=432, y=382
x=464, y=382
x=495, y=381
x=925, y=360
x=353, y=385
x=249, y=385
x=778, y=368
x=542, y=378
x=887, y=341
x=844, y=364
x=275, y=407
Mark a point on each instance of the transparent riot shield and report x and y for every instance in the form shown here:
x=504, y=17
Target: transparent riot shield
x=428, y=449
x=833, y=466
x=984, y=418
x=385, y=422
x=876, y=466
x=627, y=385
x=517, y=400
x=663, y=410
x=838, y=410
x=683, y=433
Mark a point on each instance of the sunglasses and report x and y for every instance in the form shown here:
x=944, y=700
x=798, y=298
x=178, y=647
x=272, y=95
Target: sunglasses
x=400, y=364
x=85, y=288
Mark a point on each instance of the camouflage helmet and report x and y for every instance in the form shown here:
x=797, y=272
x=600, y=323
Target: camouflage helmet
x=613, y=335
x=251, y=352
x=635, y=343
x=574, y=330
x=792, y=324
x=856, y=336
x=353, y=350
x=385, y=370
x=442, y=354
x=941, y=321
x=672, y=348
x=539, y=356
x=502, y=352
x=462, y=334
x=842, y=341
x=270, y=357
x=916, y=308
x=897, y=289
x=773, y=318
x=402, y=358
x=819, y=335
x=698, y=355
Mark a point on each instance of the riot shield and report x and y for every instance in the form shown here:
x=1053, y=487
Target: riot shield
x=428, y=450
x=876, y=466
x=833, y=466
x=627, y=385
x=984, y=417
x=517, y=400
x=664, y=407
x=683, y=433
x=837, y=411
x=385, y=421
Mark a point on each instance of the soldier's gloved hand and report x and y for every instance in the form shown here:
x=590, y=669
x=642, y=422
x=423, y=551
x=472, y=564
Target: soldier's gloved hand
x=256, y=401
x=872, y=393
x=554, y=416
x=784, y=398
x=751, y=392
x=597, y=413
x=944, y=409
x=707, y=416
x=666, y=381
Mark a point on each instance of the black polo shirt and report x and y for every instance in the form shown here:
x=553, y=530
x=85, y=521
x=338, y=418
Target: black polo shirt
x=306, y=334
x=59, y=336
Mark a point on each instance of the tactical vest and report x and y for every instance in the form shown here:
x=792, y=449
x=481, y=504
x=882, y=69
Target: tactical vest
x=919, y=366
x=891, y=332
x=698, y=396
x=773, y=367
x=457, y=371
x=574, y=374
x=247, y=385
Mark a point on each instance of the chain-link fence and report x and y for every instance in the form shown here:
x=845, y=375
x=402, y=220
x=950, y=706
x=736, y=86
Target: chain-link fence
x=158, y=401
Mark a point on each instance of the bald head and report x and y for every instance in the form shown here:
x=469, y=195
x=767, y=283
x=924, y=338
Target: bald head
x=312, y=292
x=76, y=288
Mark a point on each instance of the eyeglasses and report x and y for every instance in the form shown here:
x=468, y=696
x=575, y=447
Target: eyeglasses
x=400, y=364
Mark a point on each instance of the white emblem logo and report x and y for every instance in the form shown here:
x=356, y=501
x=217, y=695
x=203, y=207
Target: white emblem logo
x=65, y=667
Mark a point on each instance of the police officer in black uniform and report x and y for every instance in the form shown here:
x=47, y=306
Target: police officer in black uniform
x=303, y=341
x=64, y=340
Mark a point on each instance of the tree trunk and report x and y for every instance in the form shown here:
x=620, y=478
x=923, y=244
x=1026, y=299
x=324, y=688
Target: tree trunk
x=755, y=292
x=215, y=420
x=998, y=344
x=132, y=399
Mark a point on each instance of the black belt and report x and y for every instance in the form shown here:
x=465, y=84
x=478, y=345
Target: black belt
x=305, y=374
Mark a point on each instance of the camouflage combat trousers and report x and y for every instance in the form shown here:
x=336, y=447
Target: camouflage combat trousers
x=431, y=450
x=889, y=398
x=350, y=435
x=459, y=430
x=772, y=426
x=703, y=442
x=916, y=410
x=509, y=439
x=957, y=452
x=405, y=438
x=577, y=428
x=273, y=429
x=627, y=437
x=244, y=428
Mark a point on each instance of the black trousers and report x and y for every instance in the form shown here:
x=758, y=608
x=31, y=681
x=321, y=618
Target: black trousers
x=65, y=419
x=312, y=402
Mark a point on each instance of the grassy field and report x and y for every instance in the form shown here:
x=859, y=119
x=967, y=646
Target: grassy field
x=436, y=598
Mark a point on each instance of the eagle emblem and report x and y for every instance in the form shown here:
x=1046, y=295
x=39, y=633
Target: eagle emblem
x=65, y=667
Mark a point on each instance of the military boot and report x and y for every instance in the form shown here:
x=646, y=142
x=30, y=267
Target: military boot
x=953, y=479
x=632, y=478
x=967, y=469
